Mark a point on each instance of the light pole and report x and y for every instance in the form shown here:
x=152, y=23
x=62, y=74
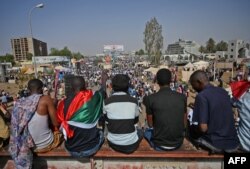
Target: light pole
x=37, y=6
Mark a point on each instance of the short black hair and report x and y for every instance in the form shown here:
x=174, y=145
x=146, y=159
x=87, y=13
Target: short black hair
x=120, y=83
x=163, y=77
x=78, y=83
x=35, y=85
x=199, y=75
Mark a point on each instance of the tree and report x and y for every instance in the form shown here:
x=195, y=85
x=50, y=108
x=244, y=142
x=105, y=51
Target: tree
x=7, y=58
x=63, y=52
x=202, y=49
x=221, y=46
x=54, y=52
x=140, y=52
x=210, y=47
x=77, y=55
x=29, y=56
x=153, y=40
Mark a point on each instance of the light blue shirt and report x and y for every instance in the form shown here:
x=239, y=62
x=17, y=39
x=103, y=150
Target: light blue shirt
x=243, y=105
x=4, y=99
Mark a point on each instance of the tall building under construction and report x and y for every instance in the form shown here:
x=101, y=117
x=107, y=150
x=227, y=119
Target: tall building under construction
x=25, y=46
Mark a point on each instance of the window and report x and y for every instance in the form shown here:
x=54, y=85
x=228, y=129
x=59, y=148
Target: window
x=232, y=44
x=232, y=50
x=231, y=56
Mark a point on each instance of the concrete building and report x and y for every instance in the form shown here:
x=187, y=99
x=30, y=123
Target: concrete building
x=237, y=50
x=21, y=47
x=183, y=47
x=3, y=70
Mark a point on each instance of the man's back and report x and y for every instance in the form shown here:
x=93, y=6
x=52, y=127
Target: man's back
x=83, y=139
x=168, y=108
x=121, y=110
x=213, y=107
x=39, y=123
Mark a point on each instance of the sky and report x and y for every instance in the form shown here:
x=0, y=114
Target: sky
x=87, y=25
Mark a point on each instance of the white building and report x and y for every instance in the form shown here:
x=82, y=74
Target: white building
x=183, y=47
x=237, y=49
x=182, y=50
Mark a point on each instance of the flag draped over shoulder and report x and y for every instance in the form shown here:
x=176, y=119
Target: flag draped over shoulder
x=21, y=141
x=85, y=109
x=239, y=88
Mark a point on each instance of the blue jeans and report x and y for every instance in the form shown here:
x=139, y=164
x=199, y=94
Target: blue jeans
x=89, y=152
x=148, y=134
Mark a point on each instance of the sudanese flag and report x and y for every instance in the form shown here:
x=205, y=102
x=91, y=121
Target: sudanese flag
x=85, y=109
x=239, y=88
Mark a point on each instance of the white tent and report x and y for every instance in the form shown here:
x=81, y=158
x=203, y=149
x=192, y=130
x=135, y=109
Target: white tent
x=201, y=65
x=154, y=70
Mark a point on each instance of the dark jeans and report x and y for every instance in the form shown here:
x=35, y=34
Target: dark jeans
x=148, y=134
x=127, y=149
x=199, y=141
x=89, y=152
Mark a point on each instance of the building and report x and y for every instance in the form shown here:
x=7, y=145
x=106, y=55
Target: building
x=237, y=50
x=3, y=70
x=23, y=47
x=113, y=50
x=183, y=47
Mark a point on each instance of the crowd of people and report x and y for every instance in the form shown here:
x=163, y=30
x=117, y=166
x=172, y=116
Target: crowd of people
x=85, y=118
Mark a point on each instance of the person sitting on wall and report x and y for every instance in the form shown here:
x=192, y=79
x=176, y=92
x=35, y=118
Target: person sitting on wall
x=78, y=115
x=215, y=129
x=122, y=114
x=166, y=111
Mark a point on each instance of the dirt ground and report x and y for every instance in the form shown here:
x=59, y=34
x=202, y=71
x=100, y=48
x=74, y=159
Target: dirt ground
x=11, y=88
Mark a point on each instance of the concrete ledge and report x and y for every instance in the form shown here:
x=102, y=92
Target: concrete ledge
x=186, y=157
x=187, y=150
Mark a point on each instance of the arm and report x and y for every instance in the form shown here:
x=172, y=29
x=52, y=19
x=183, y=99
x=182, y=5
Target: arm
x=148, y=111
x=52, y=112
x=201, y=113
x=150, y=120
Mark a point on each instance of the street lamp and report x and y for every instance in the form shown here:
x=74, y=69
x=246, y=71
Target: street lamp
x=31, y=10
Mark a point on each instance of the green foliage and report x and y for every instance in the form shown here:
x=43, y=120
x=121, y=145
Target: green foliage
x=221, y=46
x=29, y=56
x=77, y=55
x=202, y=49
x=153, y=40
x=7, y=58
x=63, y=52
x=140, y=52
x=210, y=46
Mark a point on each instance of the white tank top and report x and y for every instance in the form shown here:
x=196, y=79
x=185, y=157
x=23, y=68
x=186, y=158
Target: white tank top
x=40, y=131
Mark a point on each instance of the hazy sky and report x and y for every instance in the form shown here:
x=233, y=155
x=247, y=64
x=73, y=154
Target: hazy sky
x=87, y=25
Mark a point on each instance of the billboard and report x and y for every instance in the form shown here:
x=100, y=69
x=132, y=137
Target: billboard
x=108, y=48
x=50, y=59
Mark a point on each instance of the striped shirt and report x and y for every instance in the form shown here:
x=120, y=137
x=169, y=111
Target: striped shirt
x=122, y=113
